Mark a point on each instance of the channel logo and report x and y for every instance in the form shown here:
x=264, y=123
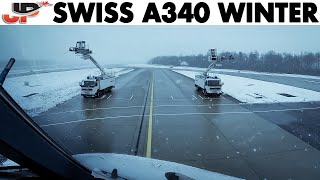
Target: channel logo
x=23, y=11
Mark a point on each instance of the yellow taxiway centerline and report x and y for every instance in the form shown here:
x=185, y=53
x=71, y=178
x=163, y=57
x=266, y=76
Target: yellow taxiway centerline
x=148, y=153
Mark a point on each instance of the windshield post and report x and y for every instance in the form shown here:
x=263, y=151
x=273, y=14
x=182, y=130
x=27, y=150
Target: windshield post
x=6, y=70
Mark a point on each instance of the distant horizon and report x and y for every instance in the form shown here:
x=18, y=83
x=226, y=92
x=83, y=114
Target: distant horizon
x=52, y=61
x=139, y=44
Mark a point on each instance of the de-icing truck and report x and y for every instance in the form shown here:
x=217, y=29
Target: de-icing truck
x=210, y=85
x=93, y=86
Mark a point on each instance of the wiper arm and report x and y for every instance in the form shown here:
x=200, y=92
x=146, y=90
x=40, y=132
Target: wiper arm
x=6, y=70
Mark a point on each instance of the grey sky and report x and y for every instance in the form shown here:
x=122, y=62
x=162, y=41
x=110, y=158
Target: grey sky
x=137, y=44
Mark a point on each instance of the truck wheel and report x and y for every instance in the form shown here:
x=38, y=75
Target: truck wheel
x=98, y=94
x=205, y=92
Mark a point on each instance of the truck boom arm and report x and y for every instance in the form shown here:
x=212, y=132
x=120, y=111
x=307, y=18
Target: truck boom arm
x=212, y=65
x=95, y=63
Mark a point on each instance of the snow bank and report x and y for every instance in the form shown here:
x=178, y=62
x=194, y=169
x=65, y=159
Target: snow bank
x=250, y=72
x=255, y=91
x=39, y=92
x=124, y=71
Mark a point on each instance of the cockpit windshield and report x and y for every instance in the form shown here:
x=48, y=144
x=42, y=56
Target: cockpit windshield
x=156, y=92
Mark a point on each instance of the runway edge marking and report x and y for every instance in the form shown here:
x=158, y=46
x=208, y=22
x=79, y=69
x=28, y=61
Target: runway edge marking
x=149, y=141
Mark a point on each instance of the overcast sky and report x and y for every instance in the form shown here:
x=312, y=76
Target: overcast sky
x=137, y=44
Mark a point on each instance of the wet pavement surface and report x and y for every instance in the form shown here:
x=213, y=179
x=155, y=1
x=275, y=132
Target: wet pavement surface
x=158, y=113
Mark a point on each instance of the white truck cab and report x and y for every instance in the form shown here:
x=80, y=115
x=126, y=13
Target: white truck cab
x=89, y=87
x=95, y=86
x=208, y=84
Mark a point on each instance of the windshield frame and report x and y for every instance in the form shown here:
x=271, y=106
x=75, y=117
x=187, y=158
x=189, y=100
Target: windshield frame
x=13, y=117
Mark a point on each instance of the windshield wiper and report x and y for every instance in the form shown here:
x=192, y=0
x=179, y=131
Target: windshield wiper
x=6, y=70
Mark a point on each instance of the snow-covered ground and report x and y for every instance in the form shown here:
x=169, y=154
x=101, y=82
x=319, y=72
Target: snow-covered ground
x=248, y=72
x=255, y=91
x=39, y=92
x=48, y=68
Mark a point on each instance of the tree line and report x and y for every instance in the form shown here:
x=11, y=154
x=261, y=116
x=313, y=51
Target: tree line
x=303, y=63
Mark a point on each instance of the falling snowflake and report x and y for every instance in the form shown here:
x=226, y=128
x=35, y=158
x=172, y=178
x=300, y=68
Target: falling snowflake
x=155, y=150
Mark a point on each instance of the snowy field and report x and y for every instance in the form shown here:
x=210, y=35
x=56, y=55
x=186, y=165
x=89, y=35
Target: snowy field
x=249, y=72
x=255, y=91
x=223, y=70
x=39, y=92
